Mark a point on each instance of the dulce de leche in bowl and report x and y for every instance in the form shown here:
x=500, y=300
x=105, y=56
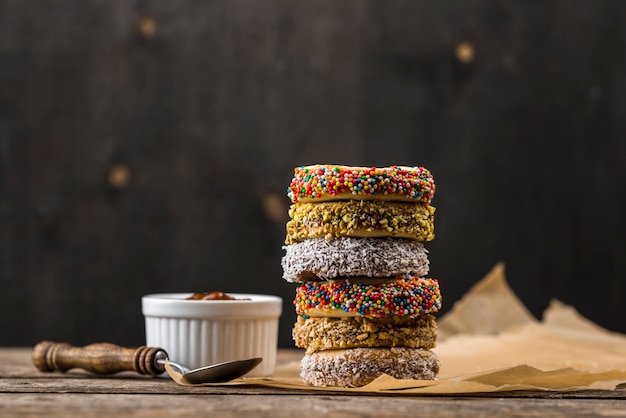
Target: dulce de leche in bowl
x=199, y=329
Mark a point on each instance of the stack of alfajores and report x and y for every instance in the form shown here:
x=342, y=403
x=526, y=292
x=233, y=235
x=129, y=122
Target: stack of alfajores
x=355, y=245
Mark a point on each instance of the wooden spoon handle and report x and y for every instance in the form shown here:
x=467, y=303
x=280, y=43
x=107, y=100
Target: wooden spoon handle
x=100, y=358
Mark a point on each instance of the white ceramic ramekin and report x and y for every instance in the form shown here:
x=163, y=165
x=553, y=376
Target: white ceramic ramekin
x=197, y=333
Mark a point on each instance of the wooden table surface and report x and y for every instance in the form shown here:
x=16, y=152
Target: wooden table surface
x=24, y=391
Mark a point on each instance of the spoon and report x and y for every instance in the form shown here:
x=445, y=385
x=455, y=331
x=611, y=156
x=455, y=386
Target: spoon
x=105, y=358
x=214, y=373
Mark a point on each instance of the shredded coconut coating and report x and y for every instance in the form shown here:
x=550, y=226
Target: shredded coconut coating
x=359, y=366
x=321, y=259
x=360, y=218
x=317, y=334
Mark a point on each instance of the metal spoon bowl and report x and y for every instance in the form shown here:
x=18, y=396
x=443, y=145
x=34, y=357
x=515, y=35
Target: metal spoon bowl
x=214, y=373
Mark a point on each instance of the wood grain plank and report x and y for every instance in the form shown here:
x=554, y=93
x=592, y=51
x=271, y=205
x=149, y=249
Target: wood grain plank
x=70, y=405
x=18, y=376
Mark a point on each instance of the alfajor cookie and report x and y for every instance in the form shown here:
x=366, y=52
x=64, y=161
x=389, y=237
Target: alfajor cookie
x=318, y=334
x=404, y=297
x=324, y=182
x=321, y=259
x=357, y=367
x=360, y=218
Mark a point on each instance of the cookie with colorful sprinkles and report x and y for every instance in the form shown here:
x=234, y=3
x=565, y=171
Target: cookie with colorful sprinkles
x=324, y=182
x=405, y=297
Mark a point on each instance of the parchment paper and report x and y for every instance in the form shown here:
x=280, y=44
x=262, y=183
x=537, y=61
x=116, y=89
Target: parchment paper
x=489, y=342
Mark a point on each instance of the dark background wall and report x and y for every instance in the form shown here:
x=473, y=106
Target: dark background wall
x=145, y=146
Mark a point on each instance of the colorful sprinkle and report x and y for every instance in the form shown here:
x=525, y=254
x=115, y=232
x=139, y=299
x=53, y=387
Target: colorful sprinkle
x=407, y=297
x=327, y=181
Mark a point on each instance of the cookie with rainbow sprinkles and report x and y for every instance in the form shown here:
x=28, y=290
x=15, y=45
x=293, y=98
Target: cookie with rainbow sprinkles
x=324, y=182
